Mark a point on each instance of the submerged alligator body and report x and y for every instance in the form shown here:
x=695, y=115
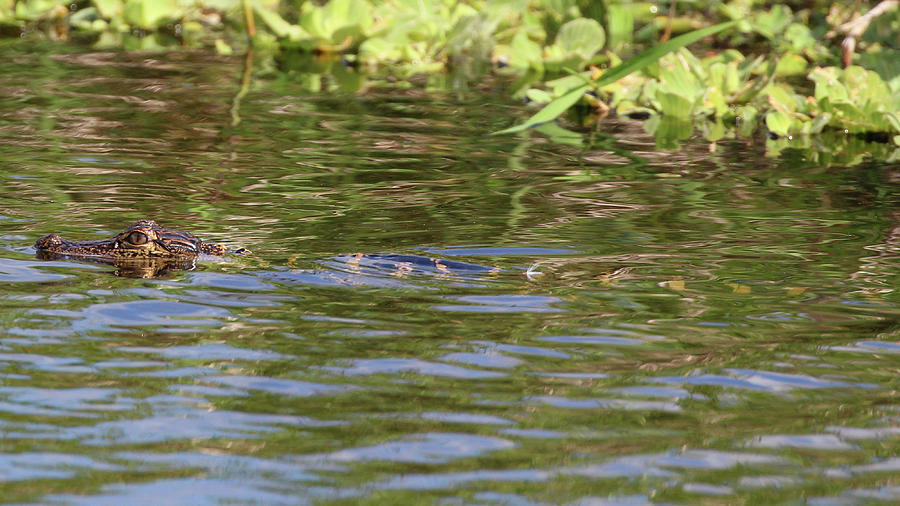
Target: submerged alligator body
x=144, y=249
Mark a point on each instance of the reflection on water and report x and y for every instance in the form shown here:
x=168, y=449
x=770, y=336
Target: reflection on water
x=430, y=314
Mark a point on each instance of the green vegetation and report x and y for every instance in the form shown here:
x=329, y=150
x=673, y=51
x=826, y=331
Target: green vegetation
x=763, y=64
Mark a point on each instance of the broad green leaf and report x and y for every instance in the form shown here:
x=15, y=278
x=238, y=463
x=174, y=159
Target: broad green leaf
x=521, y=53
x=867, y=87
x=675, y=78
x=621, y=25
x=538, y=96
x=279, y=26
x=800, y=37
x=313, y=22
x=746, y=120
x=894, y=119
x=582, y=37
x=790, y=65
x=109, y=8
x=771, y=23
x=343, y=13
x=524, y=52
x=35, y=9
x=378, y=49
x=721, y=84
x=731, y=82
x=337, y=19
x=858, y=99
x=563, y=84
x=778, y=123
x=782, y=98
x=828, y=84
x=149, y=13
x=714, y=130
x=561, y=104
x=84, y=18
x=674, y=105
x=886, y=63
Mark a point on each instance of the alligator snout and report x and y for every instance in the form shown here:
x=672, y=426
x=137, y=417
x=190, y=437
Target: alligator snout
x=49, y=242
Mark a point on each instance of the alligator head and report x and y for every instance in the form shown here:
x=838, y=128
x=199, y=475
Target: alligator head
x=144, y=249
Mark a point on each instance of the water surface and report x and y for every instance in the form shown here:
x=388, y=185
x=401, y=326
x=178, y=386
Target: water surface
x=611, y=325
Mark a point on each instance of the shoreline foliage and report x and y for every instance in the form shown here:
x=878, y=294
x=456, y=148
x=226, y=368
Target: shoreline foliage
x=771, y=65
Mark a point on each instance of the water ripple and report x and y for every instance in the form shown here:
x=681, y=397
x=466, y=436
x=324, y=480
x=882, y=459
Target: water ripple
x=871, y=347
x=623, y=404
x=430, y=448
x=760, y=380
x=84, y=402
x=437, y=481
x=47, y=363
x=486, y=359
x=47, y=465
x=502, y=304
x=294, y=388
x=808, y=441
x=24, y=271
x=522, y=349
x=864, y=433
x=500, y=251
x=410, y=365
x=200, y=490
x=207, y=351
x=228, y=281
x=166, y=316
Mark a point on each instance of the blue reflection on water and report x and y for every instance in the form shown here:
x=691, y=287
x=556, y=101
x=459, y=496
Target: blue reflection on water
x=503, y=304
x=759, y=380
x=413, y=365
x=83, y=402
x=24, y=271
x=167, y=316
x=201, y=491
x=47, y=362
x=500, y=251
x=278, y=386
x=430, y=448
x=436, y=481
x=522, y=349
x=45, y=465
x=228, y=281
x=207, y=351
x=488, y=359
x=807, y=441
x=592, y=340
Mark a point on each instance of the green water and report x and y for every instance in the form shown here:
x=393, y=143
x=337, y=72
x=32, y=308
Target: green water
x=631, y=325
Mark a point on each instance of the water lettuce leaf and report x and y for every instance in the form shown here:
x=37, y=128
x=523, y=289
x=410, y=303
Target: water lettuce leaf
x=552, y=110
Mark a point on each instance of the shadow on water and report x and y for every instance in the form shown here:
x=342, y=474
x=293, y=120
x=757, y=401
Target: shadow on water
x=429, y=314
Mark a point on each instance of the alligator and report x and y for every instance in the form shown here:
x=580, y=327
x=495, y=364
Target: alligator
x=144, y=249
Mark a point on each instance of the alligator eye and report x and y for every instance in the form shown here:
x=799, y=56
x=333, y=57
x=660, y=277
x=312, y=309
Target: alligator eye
x=137, y=238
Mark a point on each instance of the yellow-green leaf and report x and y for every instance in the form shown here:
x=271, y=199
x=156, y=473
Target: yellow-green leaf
x=778, y=123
